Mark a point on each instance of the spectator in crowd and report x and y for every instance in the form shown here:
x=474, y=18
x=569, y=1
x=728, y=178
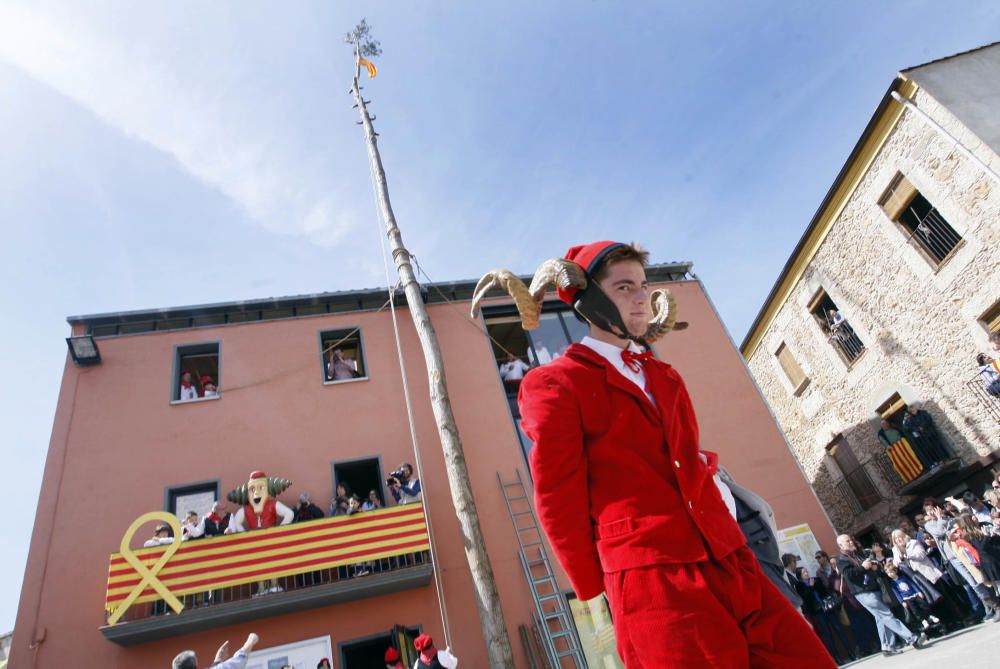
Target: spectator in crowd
x=187, y=389
x=208, y=387
x=192, y=528
x=983, y=549
x=216, y=520
x=392, y=660
x=924, y=435
x=513, y=369
x=822, y=610
x=353, y=505
x=918, y=614
x=373, y=502
x=863, y=581
x=790, y=563
x=340, y=368
x=939, y=525
x=989, y=374
x=306, y=510
x=907, y=551
x=340, y=503
x=188, y=660
x=976, y=507
x=860, y=623
x=404, y=487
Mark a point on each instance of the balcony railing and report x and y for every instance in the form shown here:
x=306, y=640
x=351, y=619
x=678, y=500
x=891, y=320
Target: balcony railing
x=227, y=579
x=990, y=402
x=858, y=490
x=846, y=340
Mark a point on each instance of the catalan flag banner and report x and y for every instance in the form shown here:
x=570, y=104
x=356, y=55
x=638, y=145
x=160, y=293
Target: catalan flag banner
x=904, y=460
x=249, y=557
x=372, y=70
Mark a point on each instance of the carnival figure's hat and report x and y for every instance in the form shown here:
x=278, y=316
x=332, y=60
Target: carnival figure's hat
x=275, y=487
x=572, y=277
x=391, y=655
x=423, y=642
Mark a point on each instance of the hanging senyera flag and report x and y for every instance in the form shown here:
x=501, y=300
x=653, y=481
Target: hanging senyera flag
x=372, y=71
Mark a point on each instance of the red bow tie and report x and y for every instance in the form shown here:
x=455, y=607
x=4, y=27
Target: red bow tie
x=634, y=360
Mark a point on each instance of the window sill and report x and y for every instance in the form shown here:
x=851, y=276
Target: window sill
x=343, y=381
x=801, y=388
x=200, y=399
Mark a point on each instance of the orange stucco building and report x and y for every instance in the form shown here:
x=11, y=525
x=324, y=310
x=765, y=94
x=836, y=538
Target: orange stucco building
x=124, y=444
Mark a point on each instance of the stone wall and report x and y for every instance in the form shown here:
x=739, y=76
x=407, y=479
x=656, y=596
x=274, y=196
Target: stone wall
x=919, y=323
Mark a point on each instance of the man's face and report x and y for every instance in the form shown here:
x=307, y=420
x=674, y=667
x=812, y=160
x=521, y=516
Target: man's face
x=626, y=286
x=257, y=491
x=822, y=560
x=907, y=527
x=186, y=377
x=845, y=543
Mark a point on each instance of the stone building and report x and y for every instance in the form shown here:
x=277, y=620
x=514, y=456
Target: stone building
x=887, y=299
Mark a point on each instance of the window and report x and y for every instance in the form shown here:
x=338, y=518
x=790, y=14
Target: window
x=893, y=410
x=342, y=356
x=991, y=319
x=360, y=477
x=858, y=480
x=791, y=368
x=839, y=332
x=920, y=220
x=197, y=497
x=196, y=372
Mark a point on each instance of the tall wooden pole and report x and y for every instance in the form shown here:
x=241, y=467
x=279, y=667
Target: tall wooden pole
x=491, y=617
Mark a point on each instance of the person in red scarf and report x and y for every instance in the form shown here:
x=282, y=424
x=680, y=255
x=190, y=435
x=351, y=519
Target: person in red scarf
x=430, y=657
x=187, y=389
x=628, y=499
x=392, y=660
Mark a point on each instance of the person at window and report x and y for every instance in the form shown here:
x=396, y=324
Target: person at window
x=208, y=387
x=217, y=520
x=924, y=435
x=392, y=660
x=340, y=368
x=539, y=355
x=187, y=389
x=161, y=536
x=306, y=510
x=192, y=527
x=860, y=574
x=404, y=487
x=430, y=657
x=513, y=369
x=340, y=503
x=188, y=660
x=837, y=321
x=324, y=664
x=905, y=460
x=373, y=502
x=989, y=373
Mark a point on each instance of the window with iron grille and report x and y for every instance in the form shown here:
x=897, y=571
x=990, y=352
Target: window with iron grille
x=858, y=480
x=923, y=224
x=792, y=370
x=839, y=332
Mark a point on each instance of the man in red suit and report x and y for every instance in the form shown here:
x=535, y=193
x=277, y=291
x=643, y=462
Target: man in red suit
x=631, y=505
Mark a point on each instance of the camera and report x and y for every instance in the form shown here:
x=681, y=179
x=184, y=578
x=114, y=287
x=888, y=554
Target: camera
x=397, y=475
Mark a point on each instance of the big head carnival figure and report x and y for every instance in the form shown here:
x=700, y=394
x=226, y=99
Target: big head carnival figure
x=259, y=507
x=626, y=496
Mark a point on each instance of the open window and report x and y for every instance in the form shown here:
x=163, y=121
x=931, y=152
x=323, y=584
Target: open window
x=839, y=331
x=342, y=356
x=919, y=220
x=361, y=477
x=196, y=372
x=198, y=497
x=369, y=651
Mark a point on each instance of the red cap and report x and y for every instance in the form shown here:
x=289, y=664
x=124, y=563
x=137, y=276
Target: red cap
x=206, y=379
x=258, y=475
x=587, y=256
x=391, y=655
x=423, y=642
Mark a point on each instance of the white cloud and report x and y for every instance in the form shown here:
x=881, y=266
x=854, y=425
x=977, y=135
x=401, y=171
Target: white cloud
x=198, y=107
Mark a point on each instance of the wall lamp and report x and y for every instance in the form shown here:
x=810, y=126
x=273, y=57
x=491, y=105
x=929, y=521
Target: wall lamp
x=84, y=350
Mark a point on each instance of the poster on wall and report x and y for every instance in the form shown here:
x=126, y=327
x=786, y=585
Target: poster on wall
x=303, y=654
x=800, y=540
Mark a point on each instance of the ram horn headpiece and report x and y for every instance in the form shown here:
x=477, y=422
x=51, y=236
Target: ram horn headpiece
x=664, y=315
x=557, y=272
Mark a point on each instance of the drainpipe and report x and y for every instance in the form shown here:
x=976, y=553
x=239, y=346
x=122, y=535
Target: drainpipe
x=945, y=135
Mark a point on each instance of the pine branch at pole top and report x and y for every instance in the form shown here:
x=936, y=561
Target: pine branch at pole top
x=487, y=598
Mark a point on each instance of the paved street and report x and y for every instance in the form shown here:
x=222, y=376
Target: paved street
x=972, y=648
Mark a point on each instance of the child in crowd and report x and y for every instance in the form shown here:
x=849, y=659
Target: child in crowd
x=911, y=598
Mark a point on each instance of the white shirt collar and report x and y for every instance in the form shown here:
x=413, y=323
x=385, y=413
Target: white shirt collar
x=613, y=354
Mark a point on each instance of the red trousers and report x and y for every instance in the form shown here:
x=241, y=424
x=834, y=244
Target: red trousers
x=709, y=615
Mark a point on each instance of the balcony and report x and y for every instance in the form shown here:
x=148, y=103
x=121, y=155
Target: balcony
x=922, y=483
x=248, y=576
x=990, y=402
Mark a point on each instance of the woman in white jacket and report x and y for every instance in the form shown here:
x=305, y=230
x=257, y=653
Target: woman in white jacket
x=909, y=551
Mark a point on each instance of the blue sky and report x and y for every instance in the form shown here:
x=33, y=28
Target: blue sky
x=183, y=153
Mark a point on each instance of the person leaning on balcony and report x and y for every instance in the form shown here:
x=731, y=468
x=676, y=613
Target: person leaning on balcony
x=306, y=510
x=192, y=527
x=406, y=489
x=907, y=462
x=513, y=369
x=216, y=520
x=924, y=434
x=188, y=660
x=373, y=502
x=161, y=536
x=989, y=374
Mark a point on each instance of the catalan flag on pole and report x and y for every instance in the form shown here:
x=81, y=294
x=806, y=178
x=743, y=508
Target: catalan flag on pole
x=372, y=70
x=904, y=460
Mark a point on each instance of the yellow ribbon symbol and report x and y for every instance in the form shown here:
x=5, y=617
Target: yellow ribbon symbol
x=149, y=575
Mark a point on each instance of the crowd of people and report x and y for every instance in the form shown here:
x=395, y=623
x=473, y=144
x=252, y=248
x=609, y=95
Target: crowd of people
x=936, y=574
x=989, y=367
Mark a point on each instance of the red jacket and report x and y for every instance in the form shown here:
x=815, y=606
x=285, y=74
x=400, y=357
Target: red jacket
x=618, y=481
